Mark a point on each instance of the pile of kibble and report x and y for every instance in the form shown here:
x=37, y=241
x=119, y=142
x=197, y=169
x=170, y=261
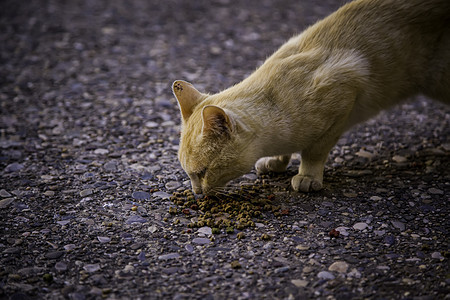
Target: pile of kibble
x=236, y=209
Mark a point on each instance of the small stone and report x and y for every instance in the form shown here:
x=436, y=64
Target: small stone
x=437, y=255
x=399, y=159
x=5, y=202
x=205, y=230
x=399, y=225
x=360, y=226
x=342, y=231
x=61, y=266
x=189, y=248
x=110, y=166
x=4, y=193
x=151, y=124
x=90, y=268
x=379, y=232
x=47, y=177
x=103, y=239
x=14, y=167
x=354, y=273
x=86, y=192
x=128, y=268
x=339, y=266
x=375, y=198
x=140, y=195
x=169, y=256
x=350, y=195
x=101, y=151
x=153, y=229
x=435, y=191
x=135, y=219
x=302, y=247
x=141, y=256
x=54, y=254
x=201, y=241
x=69, y=247
x=325, y=275
x=365, y=154
x=172, y=185
x=162, y=195
x=281, y=270
x=12, y=250
x=389, y=240
x=300, y=283
x=136, y=246
x=49, y=193
x=63, y=223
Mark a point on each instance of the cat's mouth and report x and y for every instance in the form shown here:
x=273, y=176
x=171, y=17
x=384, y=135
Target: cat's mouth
x=203, y=189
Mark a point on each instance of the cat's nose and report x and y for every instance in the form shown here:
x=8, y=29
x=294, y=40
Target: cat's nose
x=197, y=189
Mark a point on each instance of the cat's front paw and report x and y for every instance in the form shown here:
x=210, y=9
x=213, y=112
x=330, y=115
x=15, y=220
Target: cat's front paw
x=303, y=183
x=271, y=164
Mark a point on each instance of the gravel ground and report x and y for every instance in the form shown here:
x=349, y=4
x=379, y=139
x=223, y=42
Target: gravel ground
x=89, y=132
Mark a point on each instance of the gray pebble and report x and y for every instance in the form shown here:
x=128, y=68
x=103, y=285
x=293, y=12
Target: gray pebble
x=91, y=268
x=360, y=226
x=172, y=185
x=281, y=269
x=5, y=202
x=437, y=255
x=189, y=248
x=140, y=195
x=325, y=275
x=4, y=193
x=169, y=256
x=389, y=240
x=201, y=241
x=60, y=266
x=110, y=166
x=135, y=219
x=399, y=225
x=104, y=239
x=435, y=191
x=14, y=167
x=205, y=230
x=162, y=195
x=86, y=192
x=54, y=254
x=339, y=266
x=141, y=256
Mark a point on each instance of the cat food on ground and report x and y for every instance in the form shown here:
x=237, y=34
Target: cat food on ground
x=236, y=209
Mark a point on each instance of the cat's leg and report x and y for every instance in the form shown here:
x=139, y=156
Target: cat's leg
x=310, y=173
x=276, y=164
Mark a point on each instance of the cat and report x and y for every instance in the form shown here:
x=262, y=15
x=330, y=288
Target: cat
x=367, y=56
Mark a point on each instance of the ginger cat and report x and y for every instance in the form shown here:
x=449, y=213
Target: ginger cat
x=365, y=57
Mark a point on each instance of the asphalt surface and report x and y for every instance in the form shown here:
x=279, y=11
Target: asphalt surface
x=89, y=132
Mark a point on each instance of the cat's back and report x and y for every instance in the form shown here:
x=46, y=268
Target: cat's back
x=374, y=22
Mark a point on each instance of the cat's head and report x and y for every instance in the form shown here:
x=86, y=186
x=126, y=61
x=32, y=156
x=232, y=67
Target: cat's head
x=212, y=147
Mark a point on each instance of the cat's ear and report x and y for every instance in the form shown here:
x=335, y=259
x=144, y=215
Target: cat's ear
x=187, y=96
x=216, y=122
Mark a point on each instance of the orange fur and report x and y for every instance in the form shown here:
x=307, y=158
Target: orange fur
x=365, y=57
